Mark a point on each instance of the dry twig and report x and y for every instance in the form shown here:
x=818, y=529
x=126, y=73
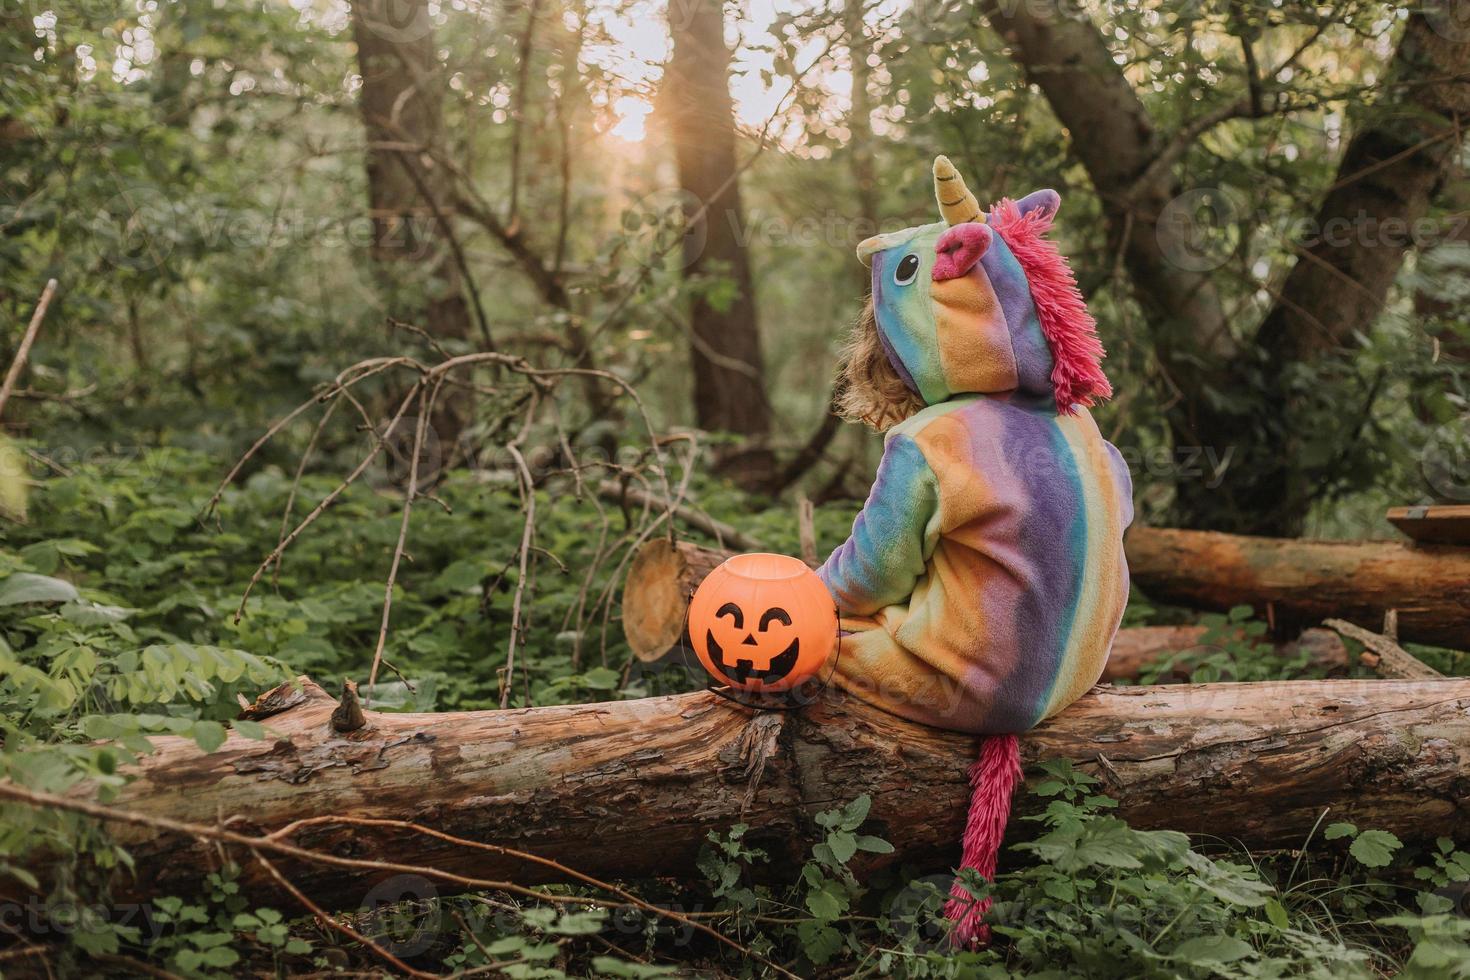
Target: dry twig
x=274, y=842
x=23, y=353
x=1383, y=655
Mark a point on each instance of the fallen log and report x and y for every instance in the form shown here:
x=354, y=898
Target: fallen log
x=663, y=576
x=1304, y=582
x=631, y=789
x=1297, y=582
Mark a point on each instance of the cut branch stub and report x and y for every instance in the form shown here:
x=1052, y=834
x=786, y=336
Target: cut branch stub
x=348, y=717
x=661, y=579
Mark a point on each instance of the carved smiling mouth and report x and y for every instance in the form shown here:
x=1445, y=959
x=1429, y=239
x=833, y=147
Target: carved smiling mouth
x=740, y=671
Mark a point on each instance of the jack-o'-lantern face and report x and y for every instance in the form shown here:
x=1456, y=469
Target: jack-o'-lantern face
x=762, y=623
x=765, y=651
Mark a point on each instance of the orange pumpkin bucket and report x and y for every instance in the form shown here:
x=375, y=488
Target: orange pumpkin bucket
x=762, y=623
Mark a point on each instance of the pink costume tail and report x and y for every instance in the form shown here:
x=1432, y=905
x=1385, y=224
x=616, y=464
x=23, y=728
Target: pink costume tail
x=992, y=779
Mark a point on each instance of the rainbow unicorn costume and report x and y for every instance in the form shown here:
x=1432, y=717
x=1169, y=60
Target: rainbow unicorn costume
x=984, y=579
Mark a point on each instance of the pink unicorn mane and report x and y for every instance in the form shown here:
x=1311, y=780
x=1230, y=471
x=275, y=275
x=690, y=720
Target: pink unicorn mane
x=1070, y=331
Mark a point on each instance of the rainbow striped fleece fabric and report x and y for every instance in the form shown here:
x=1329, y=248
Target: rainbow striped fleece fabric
x=984, y=579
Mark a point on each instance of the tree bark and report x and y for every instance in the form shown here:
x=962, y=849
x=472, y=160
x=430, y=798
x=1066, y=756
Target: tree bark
x=401, y=104
x=1392, y=169
x=1302, y=582
x=1138, y=647
x=580, y=784
x=1383, y=655
x=729, y=370
x=865, y=184
x=1449, y=524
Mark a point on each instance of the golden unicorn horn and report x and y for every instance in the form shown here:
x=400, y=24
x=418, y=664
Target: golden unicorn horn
x=956, y=204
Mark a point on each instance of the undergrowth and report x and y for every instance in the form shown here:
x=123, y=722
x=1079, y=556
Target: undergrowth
x=117, y=622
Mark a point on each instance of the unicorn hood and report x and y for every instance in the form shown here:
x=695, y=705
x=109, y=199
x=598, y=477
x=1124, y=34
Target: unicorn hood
x=983, y=303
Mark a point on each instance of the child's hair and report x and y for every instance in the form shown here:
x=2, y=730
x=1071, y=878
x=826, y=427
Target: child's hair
x=871, y=390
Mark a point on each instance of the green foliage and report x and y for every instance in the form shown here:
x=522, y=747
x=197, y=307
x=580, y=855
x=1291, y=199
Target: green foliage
x=209, y=936
x=1234, y=648
x=192, y=173
x=115, y=625
x=1095, y=897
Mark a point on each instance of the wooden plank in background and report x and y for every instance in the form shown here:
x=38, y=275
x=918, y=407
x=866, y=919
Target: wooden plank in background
x=1434, y=524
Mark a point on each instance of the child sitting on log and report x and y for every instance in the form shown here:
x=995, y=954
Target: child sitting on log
x=984, y=578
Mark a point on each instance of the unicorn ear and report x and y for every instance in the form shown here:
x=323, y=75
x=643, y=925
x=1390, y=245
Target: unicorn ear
x=869, y=247
x=1046, y=201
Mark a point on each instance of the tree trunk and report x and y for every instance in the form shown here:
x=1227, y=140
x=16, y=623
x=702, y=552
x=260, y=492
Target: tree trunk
x=1393, y=167
x=409, y=193
x=1138, y=647
x=1449, y=524
x=656, y=594
x=1065, y=56
x=1236, y=399
x=409, y=196
x=1300, y=582
x=729, y=372
x=631, y=789
x=865, y=181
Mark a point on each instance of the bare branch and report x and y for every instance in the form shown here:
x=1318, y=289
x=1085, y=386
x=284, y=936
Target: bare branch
x=23, y=353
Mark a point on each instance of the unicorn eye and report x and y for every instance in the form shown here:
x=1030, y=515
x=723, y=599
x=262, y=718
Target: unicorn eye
x=907, y=271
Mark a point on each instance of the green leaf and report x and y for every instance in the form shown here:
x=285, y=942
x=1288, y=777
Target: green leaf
x=1374, y=848
x=249, y=729
x=220, y=956
x=1338, y=830
x=1276, y=913
x=89, y=614
x=1230, y=885
x=843, y=845
x=208, y=735
x=856, y=812
x=1210, y=950
x=601, y=679
x=825, y=903
x=1061, y=889
x=210, y=940
x=610, y=966
x=19, y=874
x=583, y=923
x=873, y=845
x=14, y=486
x=25, y=587
x=819, y=941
